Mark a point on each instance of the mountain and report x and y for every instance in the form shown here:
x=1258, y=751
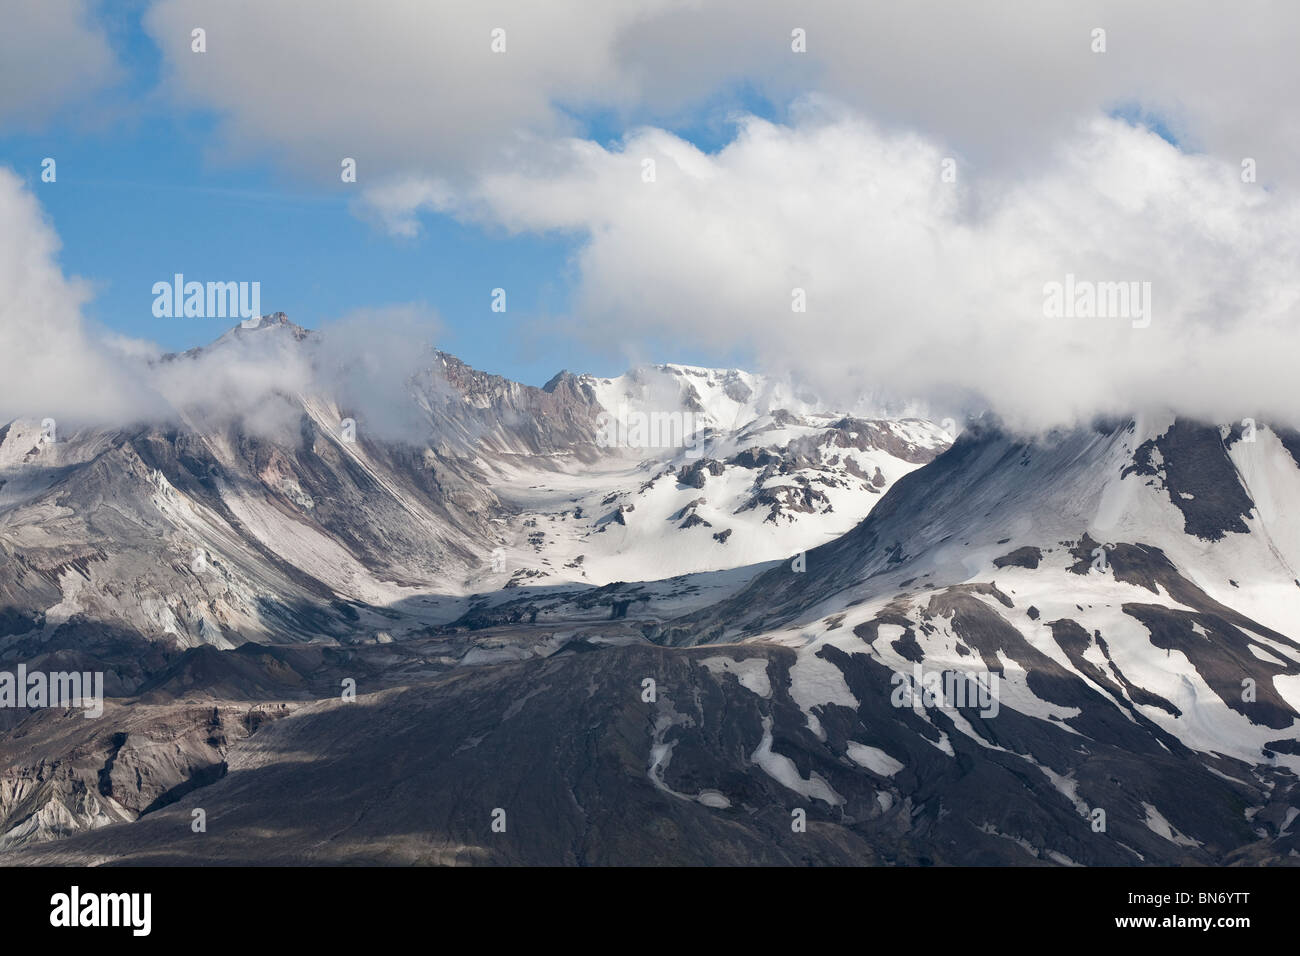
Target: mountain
x=166, y=553
x=680, y=616
x=705, y=470
x=308, y=522
x=1135, y=588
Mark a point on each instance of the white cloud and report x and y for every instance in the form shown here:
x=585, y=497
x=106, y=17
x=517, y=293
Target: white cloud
x=51, y=54
x=929, y=288
x=413, y=86
x=367, y=360
x=406, y=84
x=51, y=364
x=925, y=287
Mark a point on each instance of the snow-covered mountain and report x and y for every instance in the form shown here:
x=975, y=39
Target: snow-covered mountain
x=1111, y=617
x=705, y=470
x=1134, y=589
x=208, y=531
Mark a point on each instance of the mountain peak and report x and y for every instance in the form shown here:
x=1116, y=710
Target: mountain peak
x=276, y=324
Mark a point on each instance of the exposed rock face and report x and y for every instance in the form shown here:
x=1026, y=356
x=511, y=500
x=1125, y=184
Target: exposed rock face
x=695, y=474
x=1191, y=462
x=63, y=777
x=476, y=410
x=1026, y=557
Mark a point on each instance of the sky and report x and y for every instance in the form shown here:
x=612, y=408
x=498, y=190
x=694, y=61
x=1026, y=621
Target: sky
x=864, y=197
x=142, y=193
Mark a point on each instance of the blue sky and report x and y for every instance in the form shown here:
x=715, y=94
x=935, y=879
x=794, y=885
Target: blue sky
x=143, y=192
x=133, y=208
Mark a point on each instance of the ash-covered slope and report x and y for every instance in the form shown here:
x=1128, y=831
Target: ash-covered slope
x=753, y=754
x=1116, y=732
x=304, y=514
x=287, y=519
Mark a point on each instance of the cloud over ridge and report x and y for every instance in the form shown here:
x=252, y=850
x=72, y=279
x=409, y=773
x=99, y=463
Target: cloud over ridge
x=931, y=288
x=914, y=285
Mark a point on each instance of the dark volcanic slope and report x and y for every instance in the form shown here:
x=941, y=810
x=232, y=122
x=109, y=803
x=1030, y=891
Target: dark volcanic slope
x=587, y=772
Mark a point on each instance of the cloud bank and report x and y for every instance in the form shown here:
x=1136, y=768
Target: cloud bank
x=927, y=287
x=935, y=170
x=416, y=86
x=51, y=363
x=918, y=286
